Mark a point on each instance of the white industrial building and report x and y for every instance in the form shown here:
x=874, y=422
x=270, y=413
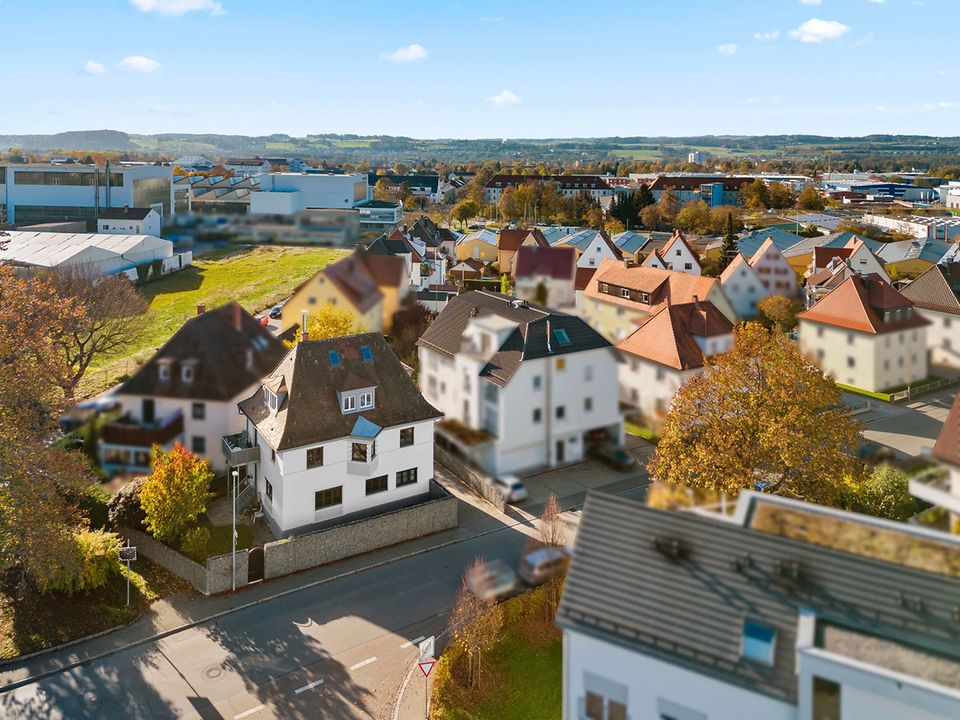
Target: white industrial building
x=129, y=221
x=41, y=193
x=945, y=229
x=96, y=253
x=293, y=193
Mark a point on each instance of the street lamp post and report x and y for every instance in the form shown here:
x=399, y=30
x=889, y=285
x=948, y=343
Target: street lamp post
x=236, y=480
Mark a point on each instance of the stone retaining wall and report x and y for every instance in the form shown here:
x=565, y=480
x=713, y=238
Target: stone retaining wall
x=438, y=512
x=214, y=577
x=469, y=477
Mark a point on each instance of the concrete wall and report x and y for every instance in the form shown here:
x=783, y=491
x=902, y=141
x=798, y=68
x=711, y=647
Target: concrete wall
x=652, y=688
x=353, y=538
x=214, y=577
x=469, y=477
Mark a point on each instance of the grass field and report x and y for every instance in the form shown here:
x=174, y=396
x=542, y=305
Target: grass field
x=256, y=277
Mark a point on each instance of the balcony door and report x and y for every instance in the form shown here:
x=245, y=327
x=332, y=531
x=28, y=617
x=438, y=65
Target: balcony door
x=148, y=412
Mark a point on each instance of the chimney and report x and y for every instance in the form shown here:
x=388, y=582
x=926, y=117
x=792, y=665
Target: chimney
x=201, y=308
x=237, y=317
x=303, y=326
x=626, y=263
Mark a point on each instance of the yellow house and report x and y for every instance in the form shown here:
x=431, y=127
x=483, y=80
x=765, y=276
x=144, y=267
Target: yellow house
x=371, y=286
x=479, y=245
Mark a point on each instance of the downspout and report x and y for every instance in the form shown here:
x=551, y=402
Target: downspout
x=548, y=411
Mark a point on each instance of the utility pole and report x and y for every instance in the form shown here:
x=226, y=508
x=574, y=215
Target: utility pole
x=235, y=474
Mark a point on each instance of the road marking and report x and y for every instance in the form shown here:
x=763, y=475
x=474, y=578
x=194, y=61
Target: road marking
x=362, y=663
x=308, y=686
x=415, y=641
x=251, y=711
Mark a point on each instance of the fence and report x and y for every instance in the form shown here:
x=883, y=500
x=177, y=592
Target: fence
x=469, y=477
x=438, y=512
x=920, y=389
x=215, y=576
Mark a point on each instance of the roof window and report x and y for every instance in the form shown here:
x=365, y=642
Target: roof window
x=561, y=335
x=334, y=356
x=366, y=353
x=759, y=642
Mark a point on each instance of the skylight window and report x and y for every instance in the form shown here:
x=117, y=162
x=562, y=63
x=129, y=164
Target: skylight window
x=366, y=353
x=334, y=358
x=759, y=642
x=561, y=335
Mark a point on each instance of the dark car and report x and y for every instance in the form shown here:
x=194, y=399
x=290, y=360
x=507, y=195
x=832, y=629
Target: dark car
x=275, y=311
x=873, y=453
x=612, y=455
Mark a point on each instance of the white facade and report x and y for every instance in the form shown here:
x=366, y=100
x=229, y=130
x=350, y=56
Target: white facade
x=561, y=292
x=743, y=289
x=864, y=262
x=290, y=501
x=292, y=193
x=149, y=225
x=864, y=360
x=99, y=253
x=205, y=422
x=652, y=689
x=540, y=417
x=923, y=228
x=596, y=252
x=39, y=193
x=775, y=271
x=943, y=338
x=248, y=168
x=680, y=257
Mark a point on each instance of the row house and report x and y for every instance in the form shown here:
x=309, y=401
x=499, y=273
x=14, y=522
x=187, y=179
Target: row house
x=593, y=186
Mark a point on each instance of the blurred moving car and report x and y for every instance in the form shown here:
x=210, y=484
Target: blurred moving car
x=492, y=581
x=275, y=311
x=544, y=564
x=612, y=455
x=511, y=487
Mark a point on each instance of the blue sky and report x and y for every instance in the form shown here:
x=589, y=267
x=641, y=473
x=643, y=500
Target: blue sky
x=530, y=68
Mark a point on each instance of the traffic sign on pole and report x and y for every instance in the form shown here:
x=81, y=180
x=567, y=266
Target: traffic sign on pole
x=427, y=667
x=426, y=648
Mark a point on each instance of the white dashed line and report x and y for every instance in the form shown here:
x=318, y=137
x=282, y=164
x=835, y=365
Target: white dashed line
x=415, y=641
x=251, y=711
x=362, y=663
x=308, y=686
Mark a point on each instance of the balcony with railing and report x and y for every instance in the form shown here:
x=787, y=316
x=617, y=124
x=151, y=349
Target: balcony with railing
x=134, y=433
x=239, y=450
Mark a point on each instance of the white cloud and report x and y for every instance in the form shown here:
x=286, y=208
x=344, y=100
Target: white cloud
x=816, y=30
x=811, y=2
x=727, y=49
x=766, y=36
x=176, y=8
x=407, y=54
x=877, y=2
x=942, y=105
x=505, y=97
x=138, y=63
x=92, y=67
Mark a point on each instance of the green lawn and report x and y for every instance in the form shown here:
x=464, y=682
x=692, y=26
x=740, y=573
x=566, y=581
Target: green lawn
x=640, y=431
x=521, y=680
x=256, y=277
x=30, y=621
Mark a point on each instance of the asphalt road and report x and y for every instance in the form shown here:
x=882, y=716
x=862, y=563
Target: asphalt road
x=338, y=650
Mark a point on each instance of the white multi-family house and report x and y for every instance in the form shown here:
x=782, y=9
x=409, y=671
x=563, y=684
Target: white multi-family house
x=336, y=429
x=774, y=270
x=129, y=221
x=188, y=391
x=678, y=255
x=785, y=610
x=521, y=386
x=593, y=247
x=941, y=486
x=936, y=293
x=743, y=287
x=830, y=266
x=550, y=271
x=667, y=349
x=865, y=334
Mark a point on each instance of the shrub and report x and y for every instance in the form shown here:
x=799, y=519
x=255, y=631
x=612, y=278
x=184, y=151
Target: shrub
x=95, y=561
x=884, y=493
x=194, y=543
x=124, y=507
x=95, y=505
x=143, y=272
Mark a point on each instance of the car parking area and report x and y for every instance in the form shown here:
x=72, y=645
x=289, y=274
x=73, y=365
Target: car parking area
x=589, y=474
x=909, y=429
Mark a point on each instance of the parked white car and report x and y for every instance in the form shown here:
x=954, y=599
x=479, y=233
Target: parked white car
x=492, y=581
x=511, y=487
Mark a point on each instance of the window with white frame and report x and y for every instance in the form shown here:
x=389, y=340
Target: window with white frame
x=366, y=400
x=187, y=374
x=349, y=403
x=603, y=699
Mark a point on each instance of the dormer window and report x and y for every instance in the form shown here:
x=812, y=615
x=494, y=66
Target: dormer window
x=271, y=399
x=163, y=370
x=187, y=374
x=349, y=403
x=366, y=400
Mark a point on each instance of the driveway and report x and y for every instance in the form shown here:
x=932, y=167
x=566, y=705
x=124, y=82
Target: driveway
x=909, y=428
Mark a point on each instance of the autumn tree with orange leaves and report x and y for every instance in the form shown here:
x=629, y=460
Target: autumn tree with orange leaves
x=176, y=492
x=761, y=417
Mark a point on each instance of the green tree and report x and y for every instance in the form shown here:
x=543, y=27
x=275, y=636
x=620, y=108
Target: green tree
x=505, y=284
x=94, y=558
x=885, y=493
x=176, y=493
x=777, y=312
x=729, y=249
x=756, y=195
x=810, y=199
x=464, y=210
x=781, y=196
x=693, y=217
x=760, y=417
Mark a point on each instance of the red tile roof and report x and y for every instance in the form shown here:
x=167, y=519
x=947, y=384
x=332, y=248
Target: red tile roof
x=823, y=255
x=668, y=336
x=558, y=263
x=583, y=277
x=858, y=304
x=947, y=447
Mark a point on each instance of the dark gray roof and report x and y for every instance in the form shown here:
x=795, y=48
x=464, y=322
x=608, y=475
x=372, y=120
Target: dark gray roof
x=311, y=412
x=689, y=610
x=218, y=350
x=527, y=342
x=124, y=213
